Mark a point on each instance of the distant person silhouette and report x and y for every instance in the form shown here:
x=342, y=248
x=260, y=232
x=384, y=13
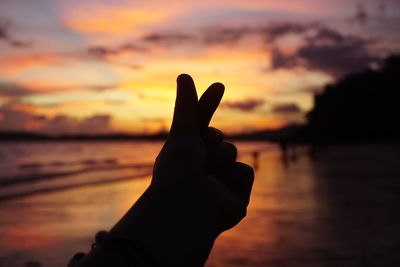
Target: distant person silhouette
x=198, y=191
x=256, y=156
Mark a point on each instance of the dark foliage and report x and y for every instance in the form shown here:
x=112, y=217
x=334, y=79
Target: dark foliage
x=362, y=107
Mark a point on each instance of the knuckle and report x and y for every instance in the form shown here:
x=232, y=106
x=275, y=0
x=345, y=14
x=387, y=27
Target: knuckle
x=230, y=147
x=247, y=170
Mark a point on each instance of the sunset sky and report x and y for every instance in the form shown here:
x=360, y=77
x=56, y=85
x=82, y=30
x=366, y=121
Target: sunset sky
x=100, y=66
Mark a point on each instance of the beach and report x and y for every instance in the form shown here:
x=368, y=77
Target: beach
x=335, y=207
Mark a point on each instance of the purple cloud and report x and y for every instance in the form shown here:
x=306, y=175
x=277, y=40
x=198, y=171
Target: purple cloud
x=7, y=37
x=329, y=51
x=168, y=38
x=13, y=118
x=244, y=105
x=287, y=108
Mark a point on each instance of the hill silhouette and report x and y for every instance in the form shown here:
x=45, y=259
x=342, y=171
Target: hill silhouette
x=361, y=107
x=26, y=136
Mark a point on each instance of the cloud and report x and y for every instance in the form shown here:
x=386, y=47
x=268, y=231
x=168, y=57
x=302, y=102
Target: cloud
x=244, y=105
x=14, y=90
x=286, y=108
x=327, y=50
x=14, y=65
x=381, y=6
x=91, y=87
x=276, y=30
x=17, y=64
x=361, y=15
x=7, y=37
x=113, y=17
x=225, y=35
x=63, y=124
x=16, y=117
x=103, y=51
x=21, y=117
x=107, y=54
x=317, y=46
x=169, y=38
x=207, y=36
x=229, y=35
x=270, y=32
x=289, y=112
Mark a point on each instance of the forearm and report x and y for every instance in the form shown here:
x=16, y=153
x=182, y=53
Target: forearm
x=170, y=227
x=161, y=229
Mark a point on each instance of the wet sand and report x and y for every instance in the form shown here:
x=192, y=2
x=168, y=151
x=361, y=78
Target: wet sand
x=338, y=209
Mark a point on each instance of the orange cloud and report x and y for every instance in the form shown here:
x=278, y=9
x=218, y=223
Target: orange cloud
x=300, y=6
x=15, y=65
x=22, y=107
x=239, y=61
x=246, y=123
x=76, y=109
x=16, y=116
x=111, y=19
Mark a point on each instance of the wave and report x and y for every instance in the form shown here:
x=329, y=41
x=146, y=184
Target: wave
x=20, y=179
x=31, y=192
x=58, y=175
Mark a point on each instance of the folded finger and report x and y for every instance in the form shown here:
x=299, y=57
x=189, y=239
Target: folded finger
x=222, y=155
x=238, y=178
x=213, y=137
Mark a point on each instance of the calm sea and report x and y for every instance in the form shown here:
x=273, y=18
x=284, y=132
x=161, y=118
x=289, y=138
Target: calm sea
x=337, y=206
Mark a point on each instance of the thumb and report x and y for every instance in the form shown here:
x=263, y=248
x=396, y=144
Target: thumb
x=185, y=121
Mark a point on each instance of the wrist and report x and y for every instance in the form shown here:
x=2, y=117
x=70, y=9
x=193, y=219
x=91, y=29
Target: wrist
x=169, y=223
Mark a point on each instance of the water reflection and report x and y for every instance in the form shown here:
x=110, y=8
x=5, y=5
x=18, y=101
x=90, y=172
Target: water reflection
x=338, y=209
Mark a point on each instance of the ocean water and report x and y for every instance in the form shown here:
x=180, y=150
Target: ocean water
x=33, y=167
x=338, y=206
x=30, y=168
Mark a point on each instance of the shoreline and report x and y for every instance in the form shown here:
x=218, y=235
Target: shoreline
x=72, y=186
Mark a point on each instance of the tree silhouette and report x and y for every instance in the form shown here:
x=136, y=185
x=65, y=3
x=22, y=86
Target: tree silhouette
x=361, y=107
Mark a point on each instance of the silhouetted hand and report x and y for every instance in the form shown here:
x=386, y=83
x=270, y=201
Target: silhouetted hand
x=195, y=160
x=198, y=189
